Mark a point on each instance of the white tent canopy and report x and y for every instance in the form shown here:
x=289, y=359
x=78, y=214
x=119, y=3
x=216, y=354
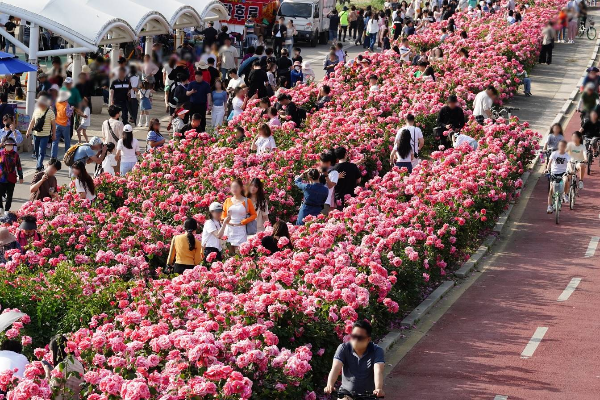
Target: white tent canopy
x=178, y=14
x=140, y=18
x=209, y=9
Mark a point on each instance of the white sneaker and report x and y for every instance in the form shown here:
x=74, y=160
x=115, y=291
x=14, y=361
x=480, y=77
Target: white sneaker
x=550, y=210
x=565, y=198
x=6, y=213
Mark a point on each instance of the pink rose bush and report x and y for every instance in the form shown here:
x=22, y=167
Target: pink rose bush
x=260, y=325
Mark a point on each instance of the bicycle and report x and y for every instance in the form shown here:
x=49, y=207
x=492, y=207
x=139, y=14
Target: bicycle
x=590, y=31
x=558, y=188
x=587, y=141
x=574, y=179
x=356, y=396
x=503, y=112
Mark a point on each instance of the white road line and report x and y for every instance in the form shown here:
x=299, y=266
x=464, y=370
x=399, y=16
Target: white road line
x=499, y=397
x=534, y=342
x=591, y=250
x=564, y=296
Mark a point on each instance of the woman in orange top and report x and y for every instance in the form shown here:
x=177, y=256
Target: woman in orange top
x=562, y=25
x=186, y=250
x=241, y=210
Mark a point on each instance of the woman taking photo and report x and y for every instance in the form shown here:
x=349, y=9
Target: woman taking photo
x=402, y=154
x=186, y=250
x=256, y=193
x=128, y=150
x=315, y=194
x=213, y=231
x=241, y=211
x=271, y=243
x=84, y=183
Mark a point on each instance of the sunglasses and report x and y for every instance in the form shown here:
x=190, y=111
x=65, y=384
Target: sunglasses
x=358, y=338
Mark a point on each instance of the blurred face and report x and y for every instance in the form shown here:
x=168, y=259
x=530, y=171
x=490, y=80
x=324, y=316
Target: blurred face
x=594, y=116
x=373, y=82
x=9, y=147
x=51, y=171
x=562, y=147
x=236, y=189
x=253, y=189
x=452, y=104
x=216, y=214
x=76, y=171
x=199, y=78
x=359, y=338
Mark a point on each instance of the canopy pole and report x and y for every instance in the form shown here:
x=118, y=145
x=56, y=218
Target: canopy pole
x=34, y=40
x=14, y=40
x=179, y=37
x=149, y=44
x=114, y=63
x=76, y=67
x=62, y=52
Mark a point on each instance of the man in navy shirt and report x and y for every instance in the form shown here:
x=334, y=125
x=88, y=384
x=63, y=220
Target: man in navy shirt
x=361, y=363
x=199, y=92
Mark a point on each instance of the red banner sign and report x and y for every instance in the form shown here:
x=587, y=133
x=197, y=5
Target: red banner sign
x=239, y=11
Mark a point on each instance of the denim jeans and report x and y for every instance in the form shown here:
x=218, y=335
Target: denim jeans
x=372, y=41
x=9, y=44
x=39, y=148
x=527, y=85
x=61, y=132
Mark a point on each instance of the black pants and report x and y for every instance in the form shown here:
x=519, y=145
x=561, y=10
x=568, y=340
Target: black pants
x=546, y=54
x=180, y=268
x=361, y=37
x=277, y=46
x=134, y=105
x=124, y=106
x=8, y=189
x=343, y=30
x=353, y=29
x=210, y=250
x=199, y=108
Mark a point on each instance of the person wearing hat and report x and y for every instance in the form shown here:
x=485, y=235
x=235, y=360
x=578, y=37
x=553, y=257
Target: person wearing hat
x=213, y=231
x=43, y=128
x=296, y=75
x=10, y=167
x=344, y=14
x=450, y=118
x=93, y=152
x=591, y=77
x=200, y=97
x=128, y=150
x=8, y=241
x=177, y=123
x=203, y=67
x=27, y=232
x=64, y=111
x=44, y=183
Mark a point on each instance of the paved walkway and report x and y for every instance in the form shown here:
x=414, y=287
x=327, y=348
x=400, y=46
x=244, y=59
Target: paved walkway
x=518, y=331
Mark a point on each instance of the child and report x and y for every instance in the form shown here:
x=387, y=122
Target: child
x=576, y=150
x=213, y=232
x=297, y=56
x=273, y=117
x=11, y=172
x=240, y=134
x=309, y=73
x=330, y=63
x=145, y=94
x=177, y=123
x=8, y=130
x=110, y=162
x=373, y=85
x=264, y=142
x=558, y=163
x=296, y=74
x=340, y=53
x=84, y=121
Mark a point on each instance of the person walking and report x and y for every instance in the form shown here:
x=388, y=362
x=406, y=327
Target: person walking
x=43, y=126
x=334, y=22
x=120, y=90
x=372, y=31
x=186, y=251
x=279, y=32
x=352, y=19
x=112, y=128
x=145, y=93
x=548, y=38
x=10, y=168
x=344, y=22
x=315, y=194
x=63, y=118
x=128, y=150
x=199, y=93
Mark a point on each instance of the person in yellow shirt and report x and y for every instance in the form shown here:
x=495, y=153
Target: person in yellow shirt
x=186, y=250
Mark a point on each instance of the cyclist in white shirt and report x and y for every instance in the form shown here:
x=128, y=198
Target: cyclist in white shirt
x=576, y=150
x=417, y=140
x=558, y=163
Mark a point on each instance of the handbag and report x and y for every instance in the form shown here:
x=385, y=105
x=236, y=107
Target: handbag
x=252, y=226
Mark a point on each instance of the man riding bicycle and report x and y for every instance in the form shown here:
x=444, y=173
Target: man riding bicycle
x=588, y=101
x=361, y=363
x=558, y=163
x=591, y=129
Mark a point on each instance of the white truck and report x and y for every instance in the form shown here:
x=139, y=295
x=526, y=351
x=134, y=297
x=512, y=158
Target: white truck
x=310, y=18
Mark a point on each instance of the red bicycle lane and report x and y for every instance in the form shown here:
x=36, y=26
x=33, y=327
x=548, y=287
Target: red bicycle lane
x=475, y=349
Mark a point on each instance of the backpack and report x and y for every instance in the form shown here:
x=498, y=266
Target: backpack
x=69, y=158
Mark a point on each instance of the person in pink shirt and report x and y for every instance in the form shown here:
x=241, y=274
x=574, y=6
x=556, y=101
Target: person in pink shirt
x=149, y=69
x=273, y=118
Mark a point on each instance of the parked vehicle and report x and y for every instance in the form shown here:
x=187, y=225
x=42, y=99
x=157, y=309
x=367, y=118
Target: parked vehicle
x=310, y=18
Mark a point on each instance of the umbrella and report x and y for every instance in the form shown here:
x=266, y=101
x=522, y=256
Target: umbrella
x=10, y=64
x=8, y=318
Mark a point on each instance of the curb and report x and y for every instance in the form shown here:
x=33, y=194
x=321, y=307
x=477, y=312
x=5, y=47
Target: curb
x=392, y=337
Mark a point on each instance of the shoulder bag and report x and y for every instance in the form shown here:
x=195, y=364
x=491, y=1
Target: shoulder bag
x=252, y=226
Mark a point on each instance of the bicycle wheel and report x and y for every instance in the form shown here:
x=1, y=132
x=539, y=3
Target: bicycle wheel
x=572, y=194
x=589, y=165
x=557, y=204
x=591, y=33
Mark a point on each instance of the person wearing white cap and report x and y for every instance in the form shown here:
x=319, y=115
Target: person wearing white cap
x=213, y=231
x=43, y=128
x=63, y=117
x=92, y=152
x=128, y=150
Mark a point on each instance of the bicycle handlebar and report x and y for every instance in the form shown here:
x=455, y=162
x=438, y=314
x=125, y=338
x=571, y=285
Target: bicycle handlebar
x=356, y=396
